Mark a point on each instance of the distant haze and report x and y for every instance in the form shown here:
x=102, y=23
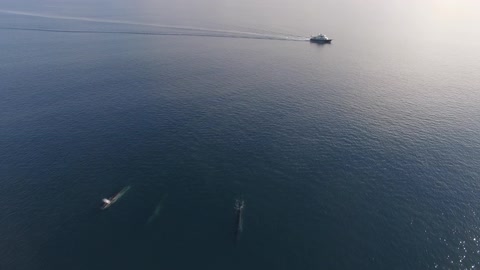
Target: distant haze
x=404, y=19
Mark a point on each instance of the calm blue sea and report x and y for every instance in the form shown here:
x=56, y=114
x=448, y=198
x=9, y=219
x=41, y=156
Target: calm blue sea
x=361, y=154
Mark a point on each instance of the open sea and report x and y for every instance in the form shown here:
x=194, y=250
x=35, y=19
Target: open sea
x=360, y=154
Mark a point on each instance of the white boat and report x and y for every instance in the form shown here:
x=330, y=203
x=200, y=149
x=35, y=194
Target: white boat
x=321, y=38
x=108, y=202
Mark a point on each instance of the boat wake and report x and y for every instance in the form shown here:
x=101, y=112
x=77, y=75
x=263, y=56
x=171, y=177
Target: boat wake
x=152, y=33
x=174, y=30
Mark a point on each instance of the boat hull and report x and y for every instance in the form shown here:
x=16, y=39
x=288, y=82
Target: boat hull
x=105, y=206
x=321, y=41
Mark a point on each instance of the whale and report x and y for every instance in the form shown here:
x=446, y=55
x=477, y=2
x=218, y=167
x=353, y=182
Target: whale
x=239, y=208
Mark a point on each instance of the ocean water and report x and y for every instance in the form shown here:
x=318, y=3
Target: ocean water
x=361, y=154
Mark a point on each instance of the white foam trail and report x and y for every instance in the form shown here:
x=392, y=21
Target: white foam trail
x=87, y=19
x=198, y=34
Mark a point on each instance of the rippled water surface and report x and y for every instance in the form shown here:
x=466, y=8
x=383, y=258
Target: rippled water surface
x=361, y=154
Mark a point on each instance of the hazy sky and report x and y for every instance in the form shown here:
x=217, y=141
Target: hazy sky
x=403, y=18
